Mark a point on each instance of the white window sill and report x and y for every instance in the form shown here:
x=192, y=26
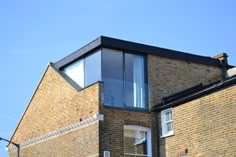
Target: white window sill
x=167, y=135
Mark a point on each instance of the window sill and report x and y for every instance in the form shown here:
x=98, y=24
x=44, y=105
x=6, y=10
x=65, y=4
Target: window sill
x=168, y=135
x=126, y=108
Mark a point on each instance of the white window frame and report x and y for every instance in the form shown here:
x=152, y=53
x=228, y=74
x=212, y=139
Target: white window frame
x=166, y=133
x=149, y=138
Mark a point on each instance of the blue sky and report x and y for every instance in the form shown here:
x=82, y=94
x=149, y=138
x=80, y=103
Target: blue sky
x=33, y=33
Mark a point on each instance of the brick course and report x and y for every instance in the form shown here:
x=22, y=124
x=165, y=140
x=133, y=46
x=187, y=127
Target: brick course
x=80, y=143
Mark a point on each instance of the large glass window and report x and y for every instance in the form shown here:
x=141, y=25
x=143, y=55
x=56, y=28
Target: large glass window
x=137, y=141
x=123, y=76
x=92, y=68
x=112, y=76
x=134, y=81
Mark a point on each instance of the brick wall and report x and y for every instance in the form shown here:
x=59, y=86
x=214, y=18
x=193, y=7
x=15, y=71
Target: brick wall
x=54, y=105
x=205, y=127
x=57, y=104
x=79, y=143
x=167, y=76
x=112, y=128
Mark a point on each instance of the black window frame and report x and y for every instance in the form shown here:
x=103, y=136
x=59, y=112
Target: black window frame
x=124, y=106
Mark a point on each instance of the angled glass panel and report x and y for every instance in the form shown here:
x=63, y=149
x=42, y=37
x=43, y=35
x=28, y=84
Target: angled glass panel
x=76, y=72
x=93, y=68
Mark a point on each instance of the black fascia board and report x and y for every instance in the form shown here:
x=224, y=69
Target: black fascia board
x=205, y=91
x=107, y=42
x=162, y=52
x=95, y=44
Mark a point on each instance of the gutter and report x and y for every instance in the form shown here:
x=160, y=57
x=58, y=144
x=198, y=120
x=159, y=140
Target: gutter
x=205, y=91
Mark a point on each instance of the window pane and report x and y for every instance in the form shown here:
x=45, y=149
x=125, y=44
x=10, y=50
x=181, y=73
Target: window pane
x=76, y=72
x=140, y=136
x=168, y=116
x=167, y=122
x=131, y=146
x=112, y=69
x=129, y=87
x=169, y=126
x=134, y=81
x=93, y=68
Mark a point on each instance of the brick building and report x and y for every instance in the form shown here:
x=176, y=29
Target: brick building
x=118, y=98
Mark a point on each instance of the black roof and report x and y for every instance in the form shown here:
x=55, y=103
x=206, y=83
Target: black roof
x=193, y=93
x=107, y=42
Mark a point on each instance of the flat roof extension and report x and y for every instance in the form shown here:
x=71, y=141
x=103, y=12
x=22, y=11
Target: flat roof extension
x=107, y=42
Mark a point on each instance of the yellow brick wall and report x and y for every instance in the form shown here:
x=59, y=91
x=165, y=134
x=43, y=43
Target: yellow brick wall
x=205, y=126
x=57, y=104
x=112, y=128
x=54, y=105
x=167, y=76
x=79, y=143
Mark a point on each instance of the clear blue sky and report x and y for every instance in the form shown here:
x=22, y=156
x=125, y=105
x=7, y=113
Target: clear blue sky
x=35, y=32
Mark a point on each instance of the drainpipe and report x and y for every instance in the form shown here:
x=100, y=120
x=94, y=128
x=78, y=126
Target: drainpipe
x=157, y=134
x=223, y=63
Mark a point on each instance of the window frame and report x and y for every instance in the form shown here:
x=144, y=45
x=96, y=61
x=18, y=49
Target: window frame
x=164, y=123
x=83, y=82
x=124, y=105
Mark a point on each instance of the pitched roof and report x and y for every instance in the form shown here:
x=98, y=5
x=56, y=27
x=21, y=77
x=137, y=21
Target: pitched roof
x=107, y=42
x=193, y=93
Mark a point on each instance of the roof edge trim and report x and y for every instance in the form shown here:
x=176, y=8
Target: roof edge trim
x=119, y=44
x=78, y=53
x=108, y=42
x=214, y=88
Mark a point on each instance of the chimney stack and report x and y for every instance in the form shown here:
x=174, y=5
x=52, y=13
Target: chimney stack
x=223, y=62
